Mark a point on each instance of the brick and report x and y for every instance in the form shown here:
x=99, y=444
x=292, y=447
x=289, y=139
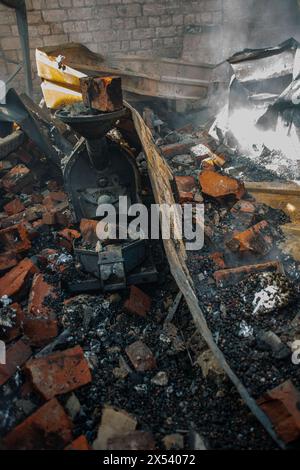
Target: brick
x=143, y=33
x=40, y=324
x=186, y=183
x=54, y=198
x=15, y=238
x=136, y=440
x=16, y=179
x=15, y=282
x=14, y=207
x=40, y=332
x=185, y=197
x=40, y=291
x=233, y=275
x=138, y=303
x=255, y=239
x=16, y=356
x=141, y=356
x=217, y=185
x=102, y=93
x=88, y=230
x=48, y=428
x=243, y=212
x=59, y=373
x=80, y=443
x=129, y=10
x=8, y=260
x=55, y=16
x=282, y=407
x=171, y=150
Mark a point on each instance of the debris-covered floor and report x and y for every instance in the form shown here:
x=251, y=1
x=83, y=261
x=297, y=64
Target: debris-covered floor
x=128, y=368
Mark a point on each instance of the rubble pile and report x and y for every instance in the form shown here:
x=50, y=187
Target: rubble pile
x=247, y=288
x=78, y=366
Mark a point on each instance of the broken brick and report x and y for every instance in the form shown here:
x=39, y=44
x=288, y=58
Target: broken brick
x=281, y=405
x=16, y=281
x=88, y=231
x=7, y=261
x=218, y=259
x=255, y=239
x=15, y=238
x=171, y=150
x=102, y=93
x=136, y=440
x=185, y=184
x=217, y=185
x=16, y=179
x=80, y=443
x=138, y=303
x=69, y=234
x=59, y=214
x=141, y=356
x=185, y=197
x=48, y=428
x=66, y=238
x=16, y=356
x=54, y=198
x=14, y=207
x=233, y=275
x=40, y=331
x=40, y=291
x=59, y=373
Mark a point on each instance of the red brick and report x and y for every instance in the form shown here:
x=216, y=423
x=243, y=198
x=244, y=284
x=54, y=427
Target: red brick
x=184, y=197
x=141, y=356
x=66, y=238
x=218, y=260
x=88, y=231
x=186, y=184
x=16, y=355
x=7, y=261
x=59, y=373
x=40, y=290
x=54, y=198
x=29, y=215
x=233, y=275
x=254, y=239
x=16, y=281
x=69, y=234
x=14, y=207
x=48, y=428
x=16, y=179
x=138, y=303
x=282, y=405
x=15, y=238
x=217, y=185
x=40, y=332
x=80, y=443
x=171, y=150
x=136, y=440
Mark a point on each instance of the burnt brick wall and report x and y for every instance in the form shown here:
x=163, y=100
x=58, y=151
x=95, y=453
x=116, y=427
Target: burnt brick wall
x=202, y=30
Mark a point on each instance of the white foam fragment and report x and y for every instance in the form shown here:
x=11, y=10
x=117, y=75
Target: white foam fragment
x=245, y=330
x=266, y=299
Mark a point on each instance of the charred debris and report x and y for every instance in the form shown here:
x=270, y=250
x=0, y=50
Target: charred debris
x=102, y=349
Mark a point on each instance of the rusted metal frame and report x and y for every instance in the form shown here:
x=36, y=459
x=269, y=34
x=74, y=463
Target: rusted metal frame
x=161, y=176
